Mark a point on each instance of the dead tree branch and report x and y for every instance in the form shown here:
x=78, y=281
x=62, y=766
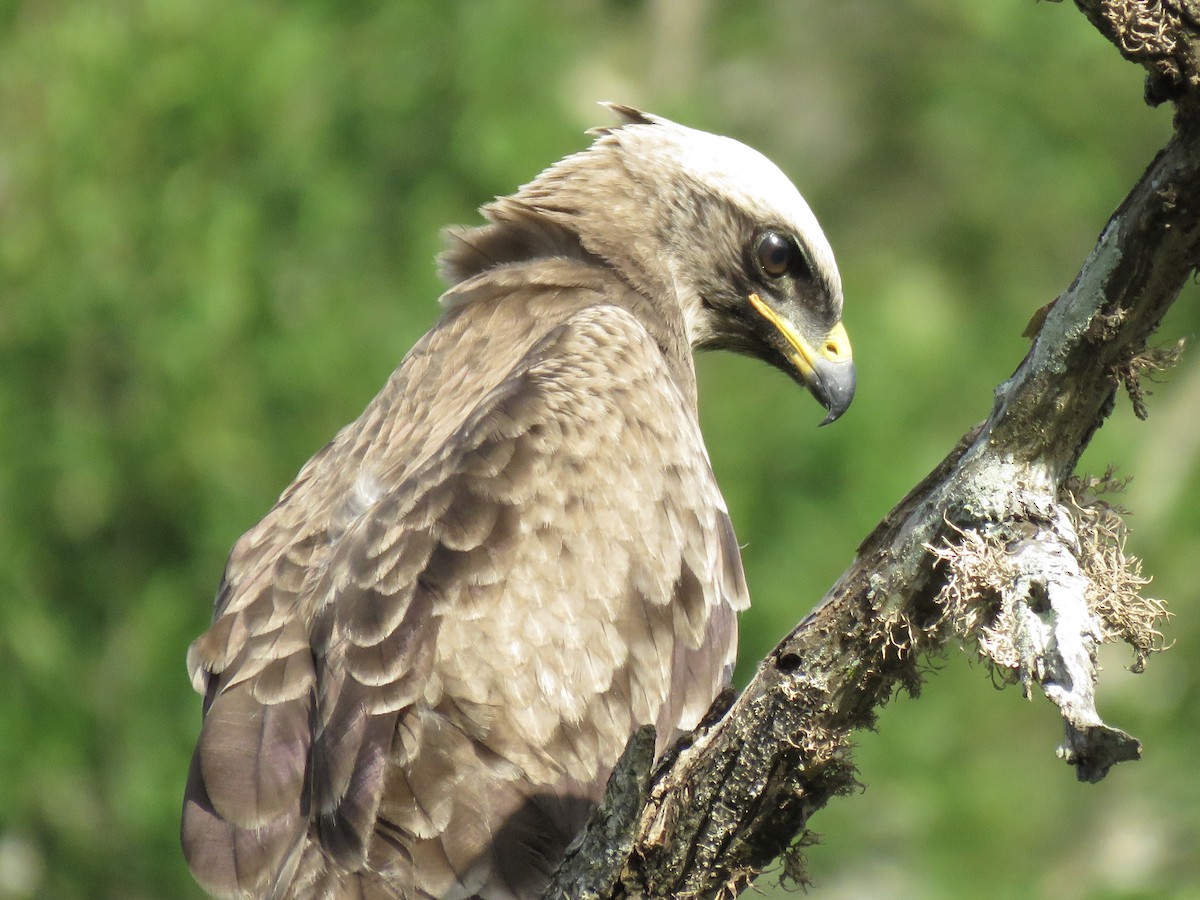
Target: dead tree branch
x=1161, y=35
x=1000, y=546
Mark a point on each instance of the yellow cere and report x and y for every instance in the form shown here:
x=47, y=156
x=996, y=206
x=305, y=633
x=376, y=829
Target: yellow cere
x=835, y=347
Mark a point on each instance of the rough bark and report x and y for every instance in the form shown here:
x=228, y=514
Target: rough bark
x=1000, y=545
x=1161, y=35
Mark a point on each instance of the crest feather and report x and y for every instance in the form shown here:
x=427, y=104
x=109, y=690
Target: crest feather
x=629, y=115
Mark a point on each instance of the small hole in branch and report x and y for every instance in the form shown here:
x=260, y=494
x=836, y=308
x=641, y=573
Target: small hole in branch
x=787, y=662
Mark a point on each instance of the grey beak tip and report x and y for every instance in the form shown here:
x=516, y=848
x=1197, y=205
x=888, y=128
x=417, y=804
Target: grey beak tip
x=833, y=386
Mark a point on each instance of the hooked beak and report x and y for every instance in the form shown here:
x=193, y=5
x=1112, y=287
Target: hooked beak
x=827, y=370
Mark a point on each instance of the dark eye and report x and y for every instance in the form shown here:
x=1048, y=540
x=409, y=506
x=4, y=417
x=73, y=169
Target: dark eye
x=776, y=254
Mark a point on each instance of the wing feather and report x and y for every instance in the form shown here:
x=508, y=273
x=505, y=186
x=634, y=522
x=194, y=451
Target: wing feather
x=462, y=607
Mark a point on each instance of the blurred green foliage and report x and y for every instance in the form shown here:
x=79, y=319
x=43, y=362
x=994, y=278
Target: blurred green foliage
x=217, y=226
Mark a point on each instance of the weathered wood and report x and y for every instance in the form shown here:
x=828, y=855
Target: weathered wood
x=1161, y=35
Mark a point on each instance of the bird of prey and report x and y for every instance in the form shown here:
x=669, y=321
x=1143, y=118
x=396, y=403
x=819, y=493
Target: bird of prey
x=427, y=657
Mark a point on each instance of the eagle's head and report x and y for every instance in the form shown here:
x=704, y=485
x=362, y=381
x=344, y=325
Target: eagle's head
x=711, y=225
x=751, y=267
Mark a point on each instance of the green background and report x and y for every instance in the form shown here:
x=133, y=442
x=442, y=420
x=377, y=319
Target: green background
x=217, y=225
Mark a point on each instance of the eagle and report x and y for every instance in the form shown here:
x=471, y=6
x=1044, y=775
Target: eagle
x=425, y=660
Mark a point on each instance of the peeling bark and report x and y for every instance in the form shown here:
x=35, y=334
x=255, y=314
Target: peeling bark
x=739, y=792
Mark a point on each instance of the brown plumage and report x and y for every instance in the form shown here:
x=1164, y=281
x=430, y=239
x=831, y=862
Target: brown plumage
x=425, y=660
